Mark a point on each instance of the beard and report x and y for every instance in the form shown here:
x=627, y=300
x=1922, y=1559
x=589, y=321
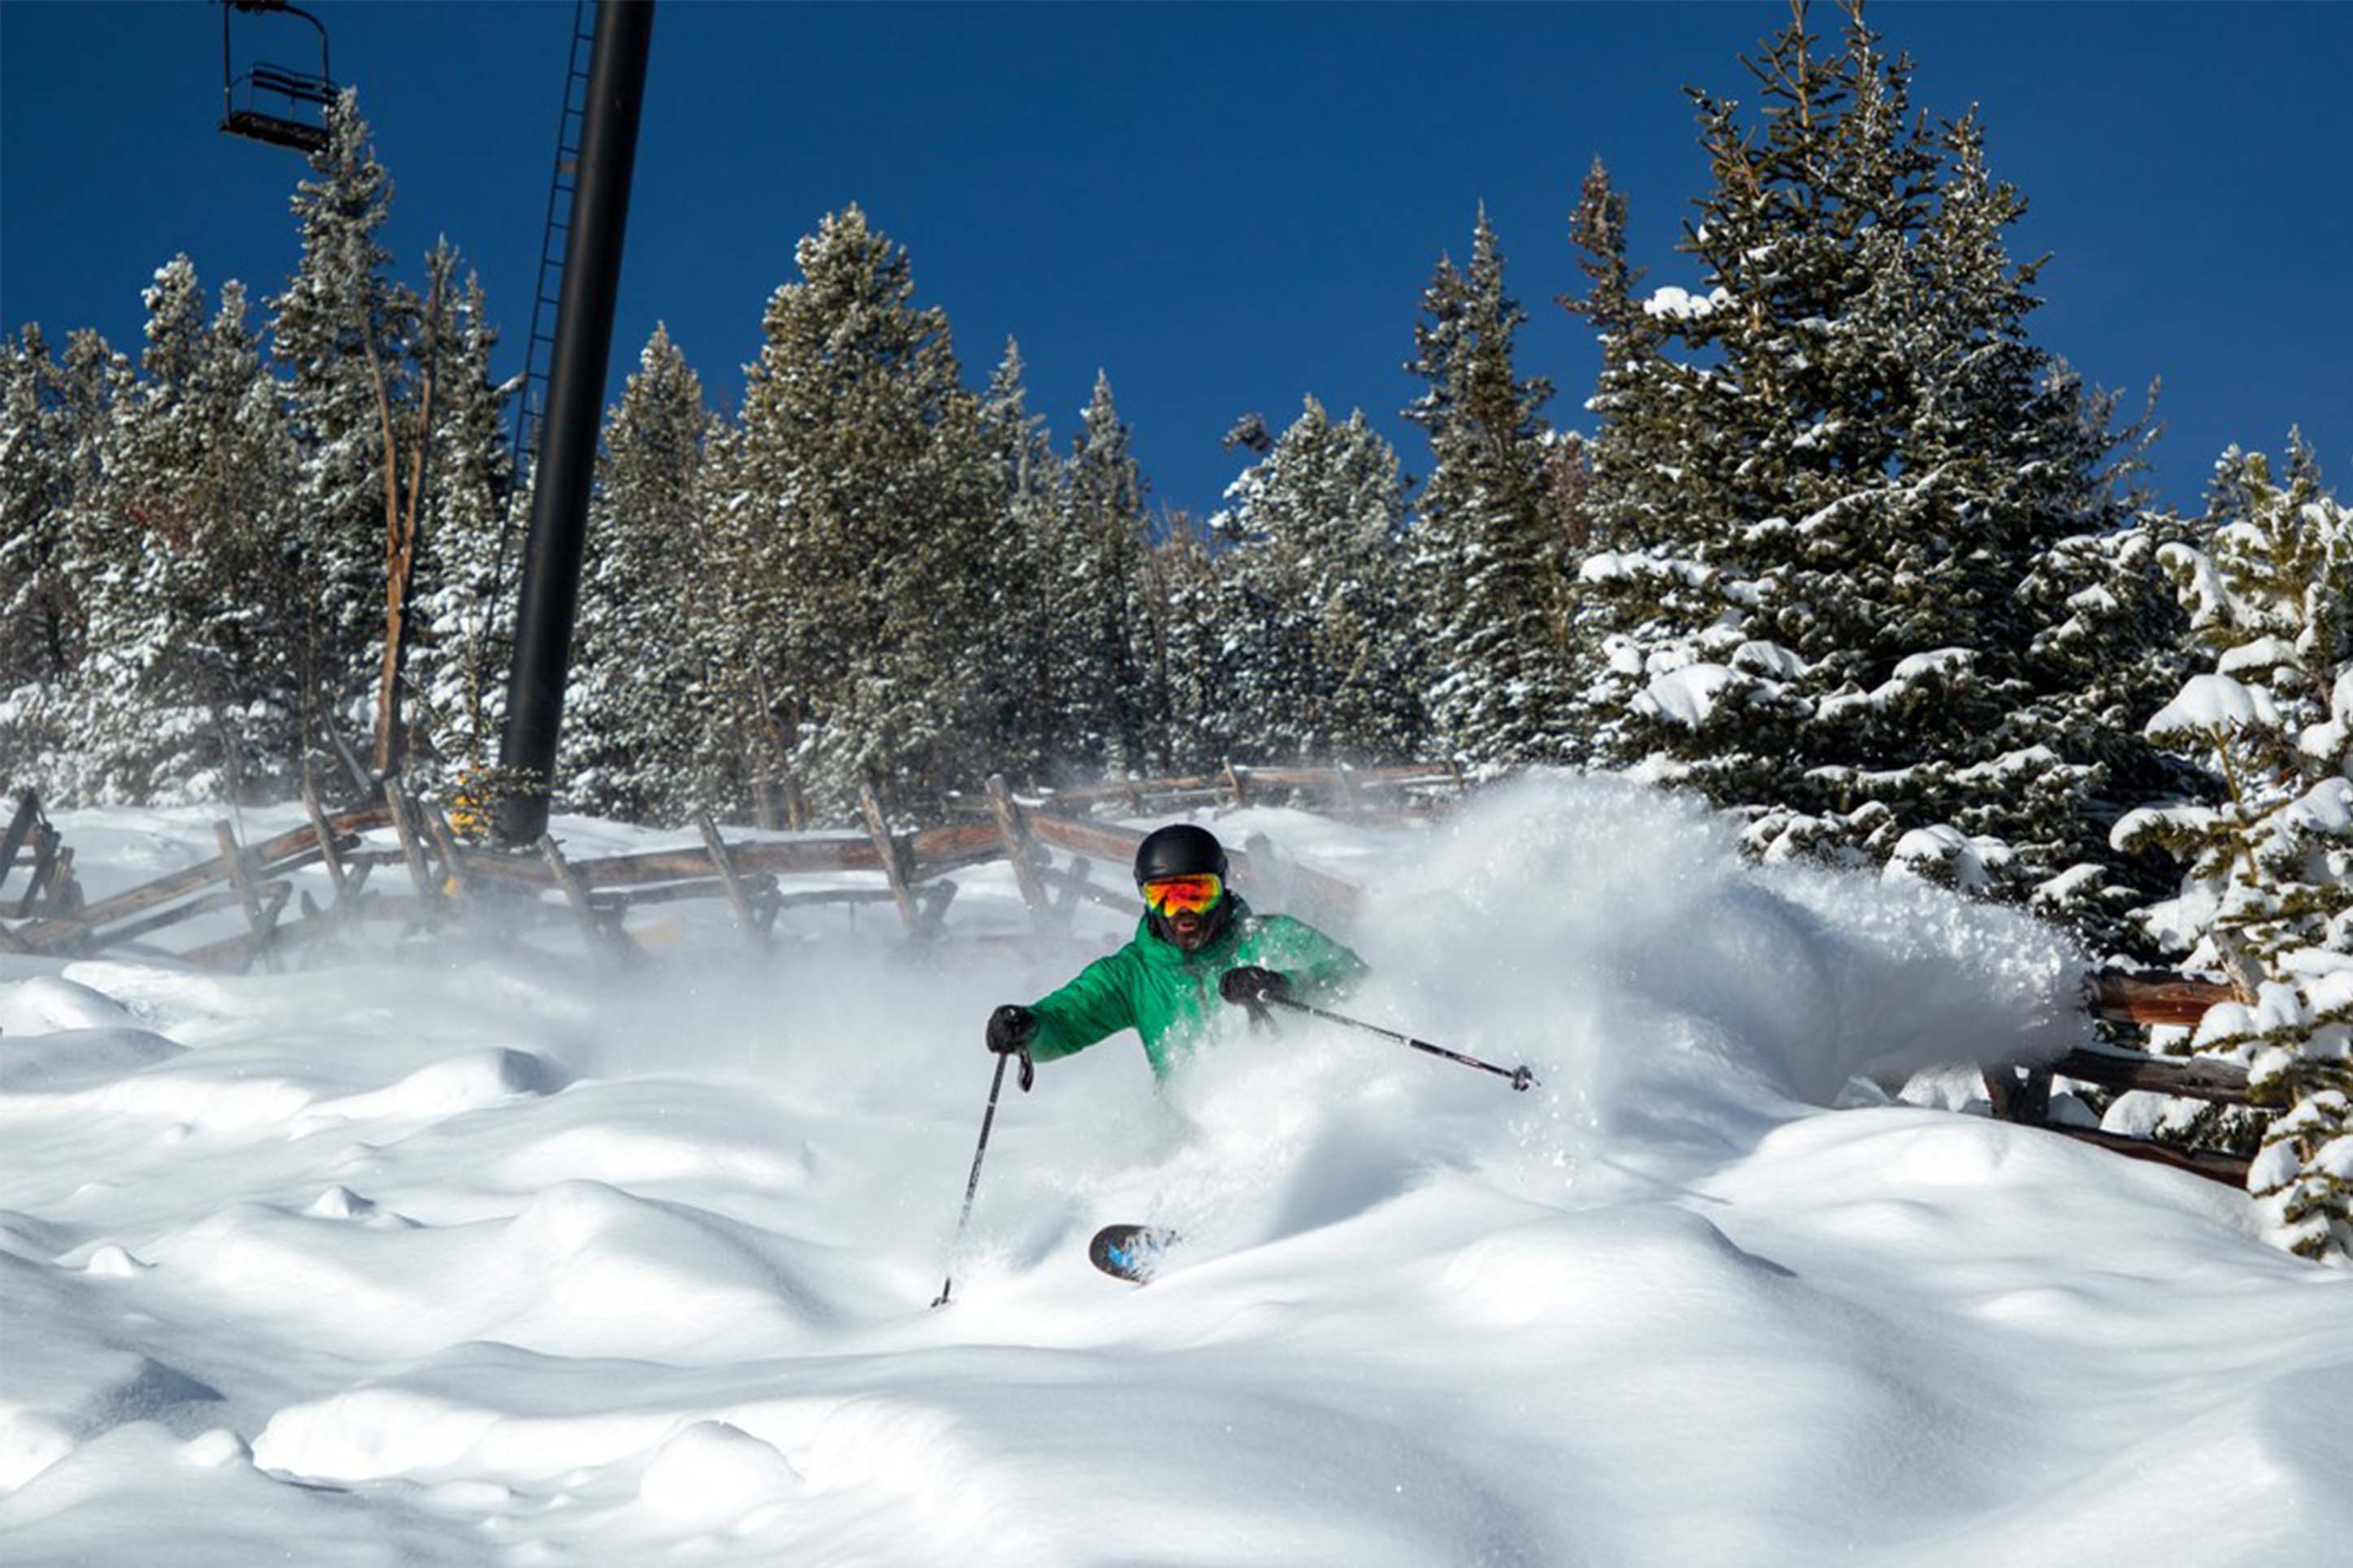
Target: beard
x=1197, y=932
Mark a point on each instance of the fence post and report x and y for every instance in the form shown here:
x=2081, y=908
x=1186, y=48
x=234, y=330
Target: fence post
x=461, y=881
x=332, y=857
x=737, y=900
x=592, y=920
x=29, y=810
x=259, y=919
x=1344, y=789
x=46, y=840
x=894, y=854
x=412, y=850
x=1019, y=846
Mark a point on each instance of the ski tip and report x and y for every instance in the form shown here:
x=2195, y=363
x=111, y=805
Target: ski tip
x=1130, y=1252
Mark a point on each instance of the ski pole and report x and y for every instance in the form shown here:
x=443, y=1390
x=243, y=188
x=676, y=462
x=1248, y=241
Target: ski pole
x=972, y=1183
x=1522, y=1078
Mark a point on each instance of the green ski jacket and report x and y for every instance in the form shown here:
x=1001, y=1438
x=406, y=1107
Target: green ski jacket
x=1170, y=996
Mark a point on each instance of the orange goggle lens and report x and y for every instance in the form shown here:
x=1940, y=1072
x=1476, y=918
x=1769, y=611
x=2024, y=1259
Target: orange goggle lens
x=1175, y=895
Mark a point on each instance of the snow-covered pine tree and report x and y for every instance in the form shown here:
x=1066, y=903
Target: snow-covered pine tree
x=346, y=332
x=1096, y=604
x=2267, y=889
x=748, y=716
x=41, y=597
x=1823, y=478
x=456, y=673
x=2107, y=643
x=1188, y=607
x=1489, y=567
x=635, y=711
x=866, y=491
x=1018, y=659
x=187, y=694
x=1640, y=589
x=1320, y=629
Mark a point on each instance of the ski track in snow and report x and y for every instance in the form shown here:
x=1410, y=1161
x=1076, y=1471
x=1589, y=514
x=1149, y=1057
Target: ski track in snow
x=409, y=1262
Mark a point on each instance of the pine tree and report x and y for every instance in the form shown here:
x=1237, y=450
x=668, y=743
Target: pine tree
x=1189, y=609
x=180, y=691
x=1833, y=490
x=1103, y=652
x=1321, y=627
x=41, y=596
x=635, y=710
x=745, y=735
x=1018, y=659
x=344, y=330
x=1488, y=563
x=866, y=490
x=2267, y=890
x=455, y=676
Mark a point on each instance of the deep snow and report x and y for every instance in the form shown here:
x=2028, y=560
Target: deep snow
x=427, y=1261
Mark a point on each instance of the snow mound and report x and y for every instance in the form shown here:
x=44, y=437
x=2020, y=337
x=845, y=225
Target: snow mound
x=680, y=1147
x=1613, y=1268
x=47, y=1003
x=455, y=1084
x=80, y=1059
x=615, y=1275
x=112, y=1262
x=711, y=1475
x=62, y=1384
x=584, y=1269
x=339, y=1202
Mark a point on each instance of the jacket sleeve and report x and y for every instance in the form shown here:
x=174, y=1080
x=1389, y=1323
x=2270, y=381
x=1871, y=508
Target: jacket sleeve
x=1320, y=969
x=1095, y=1006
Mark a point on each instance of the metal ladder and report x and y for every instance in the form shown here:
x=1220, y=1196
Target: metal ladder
x=538, y=353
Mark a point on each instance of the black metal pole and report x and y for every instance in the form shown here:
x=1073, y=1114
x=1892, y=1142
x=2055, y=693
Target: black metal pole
x=1522, y=1078
x=575, y=406
x=972, y=1183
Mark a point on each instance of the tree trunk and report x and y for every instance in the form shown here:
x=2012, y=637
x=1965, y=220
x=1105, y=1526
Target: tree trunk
x=401, y=534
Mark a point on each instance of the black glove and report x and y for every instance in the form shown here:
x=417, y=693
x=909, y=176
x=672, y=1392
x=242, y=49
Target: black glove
x=1011, y=1028
x=1251, y=984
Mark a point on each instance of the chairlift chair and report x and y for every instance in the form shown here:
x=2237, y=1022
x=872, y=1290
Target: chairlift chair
x=267, y=102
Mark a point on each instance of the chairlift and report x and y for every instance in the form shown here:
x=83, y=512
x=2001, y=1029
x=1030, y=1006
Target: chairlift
x=271, y=102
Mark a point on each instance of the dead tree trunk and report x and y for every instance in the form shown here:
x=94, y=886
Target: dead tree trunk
x=401, y=524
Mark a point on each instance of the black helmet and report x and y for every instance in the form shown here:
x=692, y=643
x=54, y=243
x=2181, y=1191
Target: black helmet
x=1180, y=849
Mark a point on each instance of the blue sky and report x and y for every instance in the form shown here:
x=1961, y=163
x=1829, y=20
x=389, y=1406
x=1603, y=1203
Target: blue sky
x=1224, y=207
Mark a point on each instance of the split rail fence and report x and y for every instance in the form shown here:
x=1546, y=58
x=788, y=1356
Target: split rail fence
x=449, y=883
x=2022, y=1094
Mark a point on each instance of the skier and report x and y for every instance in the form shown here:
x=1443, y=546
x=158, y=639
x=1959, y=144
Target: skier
x=1198, y=942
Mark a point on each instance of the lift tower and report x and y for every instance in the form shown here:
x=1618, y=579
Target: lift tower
x=575, y=398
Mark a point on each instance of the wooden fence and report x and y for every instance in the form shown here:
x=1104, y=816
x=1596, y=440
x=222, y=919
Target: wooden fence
x=448, y=881
x=51, y=891
x=2022, y=1094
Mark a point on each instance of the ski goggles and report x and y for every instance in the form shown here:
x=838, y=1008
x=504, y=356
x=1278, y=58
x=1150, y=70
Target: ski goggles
x=1178, y=895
